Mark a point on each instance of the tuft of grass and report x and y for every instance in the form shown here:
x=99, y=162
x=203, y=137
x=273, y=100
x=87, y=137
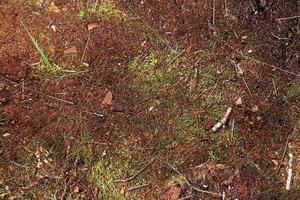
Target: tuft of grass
x=103, y=175
x=44, y=58
x=107, y=9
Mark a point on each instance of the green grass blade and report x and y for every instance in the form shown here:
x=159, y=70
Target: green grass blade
x=45, y=59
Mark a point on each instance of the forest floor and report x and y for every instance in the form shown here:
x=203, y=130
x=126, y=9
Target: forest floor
x=118, y=99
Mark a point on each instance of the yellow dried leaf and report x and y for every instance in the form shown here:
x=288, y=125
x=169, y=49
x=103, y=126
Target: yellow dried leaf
x=53, y=8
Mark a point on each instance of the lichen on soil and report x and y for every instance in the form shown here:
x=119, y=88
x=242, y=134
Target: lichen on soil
x=136, y=86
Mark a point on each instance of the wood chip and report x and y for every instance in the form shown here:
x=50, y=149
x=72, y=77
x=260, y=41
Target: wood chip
x=107, y=99
x=71, y=50
x=93, y=25
x=76, y=189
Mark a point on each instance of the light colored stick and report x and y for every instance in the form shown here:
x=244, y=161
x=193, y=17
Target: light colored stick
x=225, y=7
x=290, y=171
x=214, y=11
x=223, y=121
x=286, y=18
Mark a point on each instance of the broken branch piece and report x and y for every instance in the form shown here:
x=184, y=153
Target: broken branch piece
x=223, y=121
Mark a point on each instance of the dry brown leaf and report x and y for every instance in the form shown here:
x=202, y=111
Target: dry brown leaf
x=71, y=50
x=93, y=25
x=107, y=99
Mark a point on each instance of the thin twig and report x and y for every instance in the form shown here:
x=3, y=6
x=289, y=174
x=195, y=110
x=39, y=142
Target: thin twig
x=55, y=98
x=186, y=197
x=8, y=38
x=136, y=174
x=286, y=18
x=168, y=43
x=283, y=154
x=192, y=186
x=274, y=87
x=247, y=87
x=37, y=92
x=85, y=48
x=261, y=62
x=174, y=59
x=137, y=187
x=214, y=12
x=279, y=38
x=65, y=189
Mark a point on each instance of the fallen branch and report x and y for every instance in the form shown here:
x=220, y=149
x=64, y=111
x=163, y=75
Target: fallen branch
x=223, y=121
x=290, y=171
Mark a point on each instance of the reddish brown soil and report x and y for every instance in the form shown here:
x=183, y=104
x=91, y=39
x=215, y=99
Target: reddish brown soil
x=53, y=110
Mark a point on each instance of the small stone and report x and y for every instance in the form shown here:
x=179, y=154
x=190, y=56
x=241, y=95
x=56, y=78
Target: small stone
x=104, y=153
x=259, y=118
x=151, y=108
x=85, y=64
x=53, y=27
x=263, y=3
x=239, y=101
x=254, y=109
x=1, y=86
x=76, y=189
x=250, y=51
x=6, y=135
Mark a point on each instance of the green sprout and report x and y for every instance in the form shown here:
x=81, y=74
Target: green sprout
x=45, y=59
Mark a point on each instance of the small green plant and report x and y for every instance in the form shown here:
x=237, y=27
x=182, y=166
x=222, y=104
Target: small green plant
x=81, y=13
x=45, y=59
